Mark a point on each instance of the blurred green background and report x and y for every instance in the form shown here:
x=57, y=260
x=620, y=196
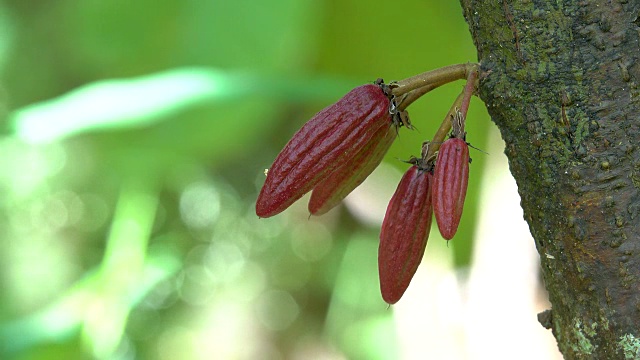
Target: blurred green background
x=135, y=135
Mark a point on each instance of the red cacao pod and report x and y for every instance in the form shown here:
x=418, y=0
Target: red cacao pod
x=404, y=233
x=450, y=179
x=332, y=190
x=326, y=142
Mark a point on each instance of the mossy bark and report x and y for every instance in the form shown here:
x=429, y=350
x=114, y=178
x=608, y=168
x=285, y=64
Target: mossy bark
x=561, y=80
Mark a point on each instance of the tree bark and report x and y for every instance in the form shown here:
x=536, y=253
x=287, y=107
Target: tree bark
x=561, y=80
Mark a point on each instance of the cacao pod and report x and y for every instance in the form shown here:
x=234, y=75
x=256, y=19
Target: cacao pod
x=331, y=139
x=404, y=234
x=450, y=179
x=331, y=191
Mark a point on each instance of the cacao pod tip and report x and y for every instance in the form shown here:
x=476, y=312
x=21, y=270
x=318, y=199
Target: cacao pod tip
x=264, y=210
x=262, y=214
x=391, y=299
x=447, y=236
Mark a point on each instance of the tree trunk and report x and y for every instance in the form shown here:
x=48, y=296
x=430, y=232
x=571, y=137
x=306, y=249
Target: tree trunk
x=561, y=80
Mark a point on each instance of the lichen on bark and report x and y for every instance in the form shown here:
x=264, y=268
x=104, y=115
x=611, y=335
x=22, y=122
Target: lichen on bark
x=561, y=80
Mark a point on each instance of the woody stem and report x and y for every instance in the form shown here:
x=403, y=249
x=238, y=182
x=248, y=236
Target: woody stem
x=441, y=75
x=469, y=89
x=444, y=129
x=413, y=95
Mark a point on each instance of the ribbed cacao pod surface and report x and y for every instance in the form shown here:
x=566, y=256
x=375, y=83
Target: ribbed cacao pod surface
x=450, y=180
x=404, y=234
x=331, y=139
x=342, y=181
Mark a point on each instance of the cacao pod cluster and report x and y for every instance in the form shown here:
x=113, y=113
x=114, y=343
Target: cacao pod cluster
x=339, y=148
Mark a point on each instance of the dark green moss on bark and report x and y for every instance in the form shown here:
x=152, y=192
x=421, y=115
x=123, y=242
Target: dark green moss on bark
x=560, y=79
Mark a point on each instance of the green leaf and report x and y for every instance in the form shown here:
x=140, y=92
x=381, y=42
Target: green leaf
x=136, y=102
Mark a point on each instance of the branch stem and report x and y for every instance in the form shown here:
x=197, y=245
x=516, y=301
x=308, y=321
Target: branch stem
x=469, y=90
x=413, y=95
x=441, y=75
x=444, y=129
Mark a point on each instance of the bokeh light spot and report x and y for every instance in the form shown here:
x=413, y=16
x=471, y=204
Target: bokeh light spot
x=311, y=241
x=200, y=205
x=277, y=310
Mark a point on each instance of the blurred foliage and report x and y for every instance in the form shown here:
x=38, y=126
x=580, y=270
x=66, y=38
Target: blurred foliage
x=135, y=135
